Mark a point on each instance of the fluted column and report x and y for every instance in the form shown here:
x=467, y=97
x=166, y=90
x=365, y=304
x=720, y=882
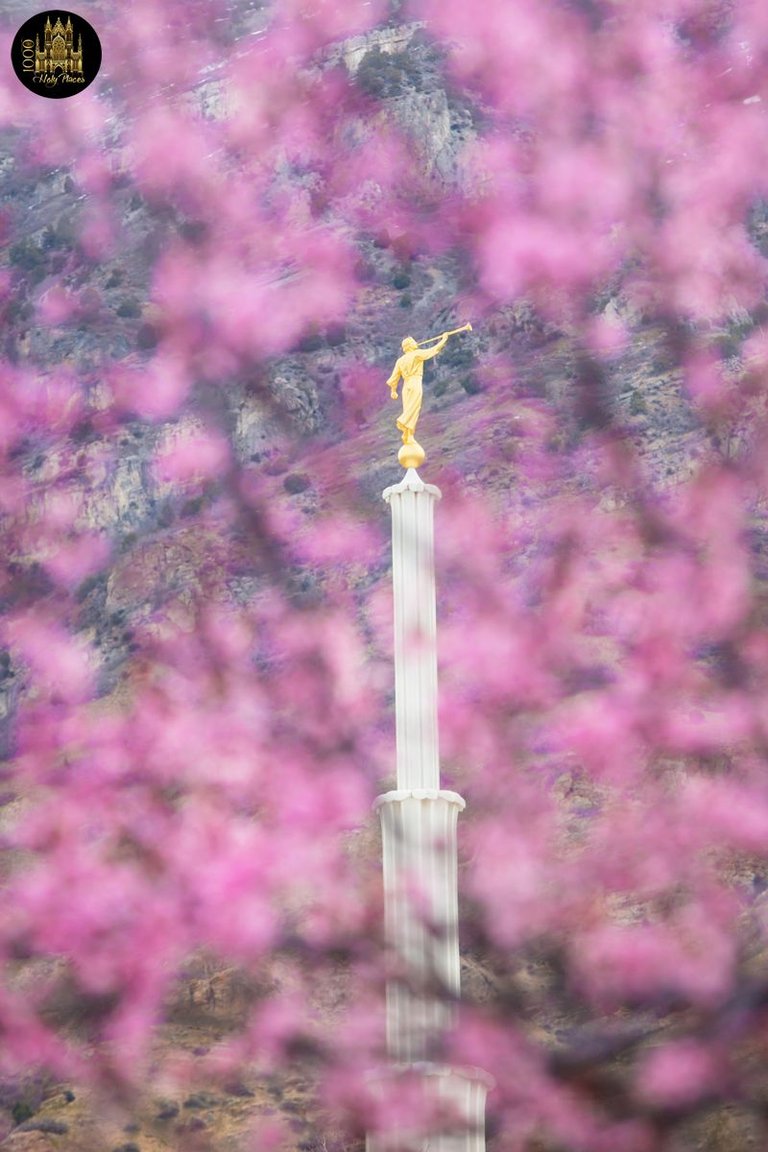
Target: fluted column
x=452, y=1099
x=413, y=576
x=421, y=917
x=439, y=1109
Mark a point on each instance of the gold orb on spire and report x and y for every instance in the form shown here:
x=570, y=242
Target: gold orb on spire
x=411, y=455
x=410, y=367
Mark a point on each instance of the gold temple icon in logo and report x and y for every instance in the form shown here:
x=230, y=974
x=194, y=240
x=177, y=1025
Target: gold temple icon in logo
x=58, y=52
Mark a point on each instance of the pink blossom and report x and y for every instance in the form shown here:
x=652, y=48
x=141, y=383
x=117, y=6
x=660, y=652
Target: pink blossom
x=706, y=382
x=329, y=22
x=72, y=560
x=58, y=661
x=276, y=1023
x=339, y=539
x=51, y=400
x=678, y=1073
x=56, y=305
x=508, y=876
x=608, y=337
x=730, y=812
x=635, y=962
x=269, y=1135
x=154, y=391
x=193, y=455
x=162, y=161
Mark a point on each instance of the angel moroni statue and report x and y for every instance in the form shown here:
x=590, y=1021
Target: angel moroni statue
x=410, y=368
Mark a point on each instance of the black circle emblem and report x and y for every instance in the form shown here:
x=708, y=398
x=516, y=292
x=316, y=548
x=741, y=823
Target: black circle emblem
x=56, y=54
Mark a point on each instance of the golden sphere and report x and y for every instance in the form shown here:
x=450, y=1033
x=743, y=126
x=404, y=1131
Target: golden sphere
x=411, y=455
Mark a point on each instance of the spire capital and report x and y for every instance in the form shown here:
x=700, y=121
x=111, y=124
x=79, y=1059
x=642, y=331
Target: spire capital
x=411, y=482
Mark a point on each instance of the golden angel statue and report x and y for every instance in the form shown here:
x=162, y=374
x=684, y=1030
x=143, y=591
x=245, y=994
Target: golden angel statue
x=410, y=367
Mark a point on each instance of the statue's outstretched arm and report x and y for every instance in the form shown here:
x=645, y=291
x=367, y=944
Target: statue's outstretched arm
x=428, y=353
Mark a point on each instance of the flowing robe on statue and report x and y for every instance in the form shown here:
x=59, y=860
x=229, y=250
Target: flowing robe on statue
x=411, y=367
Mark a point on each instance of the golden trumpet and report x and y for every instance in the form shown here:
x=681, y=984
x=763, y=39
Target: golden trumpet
x=453, y=331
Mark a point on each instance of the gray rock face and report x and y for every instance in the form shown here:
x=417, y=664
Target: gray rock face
x=123, y=500
x=398, y=65
x=251, y=431
x=439, y=133
x=388, y=40
x=297, y=394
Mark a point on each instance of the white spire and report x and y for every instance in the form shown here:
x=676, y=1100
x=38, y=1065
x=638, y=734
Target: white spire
x=418, y=824
x=412, y=503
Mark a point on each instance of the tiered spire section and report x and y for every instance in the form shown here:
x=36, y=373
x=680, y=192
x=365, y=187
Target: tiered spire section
x=413, y=572
x=419, y=822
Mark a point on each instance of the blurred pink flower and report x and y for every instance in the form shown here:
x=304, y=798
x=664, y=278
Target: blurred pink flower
x=629, y=963
x=154, y=391
x=59, y=662
x=72, y=560
x=679, y=1073
x=192, y=455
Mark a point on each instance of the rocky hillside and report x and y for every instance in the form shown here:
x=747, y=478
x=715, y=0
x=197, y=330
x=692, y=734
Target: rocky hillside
x=297, y=419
